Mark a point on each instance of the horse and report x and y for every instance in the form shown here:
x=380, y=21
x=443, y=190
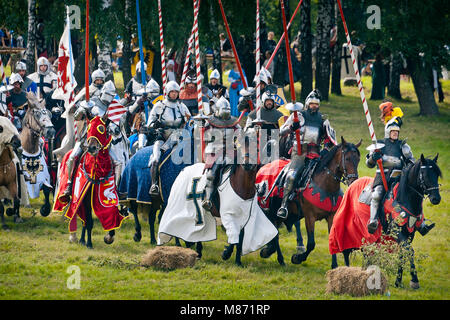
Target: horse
x=12, y=183
x=35, y=125
x=136, y=180
x=94, y=186
x=318, y=200
x=400, y=216
x=245, y=224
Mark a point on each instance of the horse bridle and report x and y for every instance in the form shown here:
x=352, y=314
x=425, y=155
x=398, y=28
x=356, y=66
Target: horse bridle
x=34, y=131
x=346, y=176
x=422, y=185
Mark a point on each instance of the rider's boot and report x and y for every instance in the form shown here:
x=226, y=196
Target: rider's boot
x=425, y=228
x=154, y=189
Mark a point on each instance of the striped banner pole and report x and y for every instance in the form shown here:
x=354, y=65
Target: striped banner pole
x=188, y=53
x=363, y=97
x=161, y=41
x=86, y=53
x=291, y=76
x=141, y=56
x=258, y=61
x=197, y=57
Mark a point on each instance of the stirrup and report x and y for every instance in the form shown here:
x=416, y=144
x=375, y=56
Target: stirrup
x=207, y=205
x=372, y=226
x=282, y=213
x=154, y=190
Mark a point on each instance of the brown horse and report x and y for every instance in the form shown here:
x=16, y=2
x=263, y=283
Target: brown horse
x=10, y=182
x=319, y=200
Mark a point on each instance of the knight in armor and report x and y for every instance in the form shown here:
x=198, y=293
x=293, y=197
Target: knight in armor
x=86, y=111
x=98, y=80
x=250, y=93
x=166, y=117
x=152, y=96
x=315, y=129
x=189, y=94
x=135, y=85
x=28, y=84
x=45, y=79
x=268, y=113
x=217, y=153
x=216, y=88
x=16, y=100
x=396, y=155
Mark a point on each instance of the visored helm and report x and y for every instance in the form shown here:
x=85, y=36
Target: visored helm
x=215, y=74
x=313, y=97
x=20, y=66
x=138, y=66
x=108, y=92
x=267, y=96
x=152, y=88
x=42, y=61
x=392, y=125
x=171, y=86
x=98, y=75
x=222, y=109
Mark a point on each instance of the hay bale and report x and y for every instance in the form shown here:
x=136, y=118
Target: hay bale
x=169, y=258
x=354, y=281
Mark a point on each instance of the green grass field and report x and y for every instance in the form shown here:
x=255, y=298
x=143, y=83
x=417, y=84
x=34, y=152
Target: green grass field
x=35, y=255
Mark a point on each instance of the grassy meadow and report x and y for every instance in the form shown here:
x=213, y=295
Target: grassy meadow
x=36, y=254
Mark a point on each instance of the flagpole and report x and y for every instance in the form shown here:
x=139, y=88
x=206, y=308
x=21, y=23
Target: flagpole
x=363, y=97
x=161, y=41
x=86, y=53
x=70, y=47
x=291, y=76
x=141, y=56
x=236, y=57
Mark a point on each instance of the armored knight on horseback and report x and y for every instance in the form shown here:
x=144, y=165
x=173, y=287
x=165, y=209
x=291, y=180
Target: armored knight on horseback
x=87, y=110
x=314, y=130
x=166, y=117
x=135, y=85
x=396, y=155
x=218, y=153
x=45, y=78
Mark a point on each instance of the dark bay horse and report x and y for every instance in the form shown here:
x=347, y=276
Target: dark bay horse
x=319, y=200
x=402, y=213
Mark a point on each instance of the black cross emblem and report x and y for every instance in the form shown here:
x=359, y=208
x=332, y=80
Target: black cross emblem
x=345, y=56
x=194, y=196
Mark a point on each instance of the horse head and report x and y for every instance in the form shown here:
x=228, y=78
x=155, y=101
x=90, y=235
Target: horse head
x=98, y=137
x=38, y=118
x=349, y=160
x=427, y=179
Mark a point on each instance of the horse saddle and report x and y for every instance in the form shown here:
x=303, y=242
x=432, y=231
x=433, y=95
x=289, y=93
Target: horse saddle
x=306, y=174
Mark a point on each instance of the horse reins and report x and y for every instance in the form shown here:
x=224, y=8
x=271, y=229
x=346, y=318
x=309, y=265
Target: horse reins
x=346, y=176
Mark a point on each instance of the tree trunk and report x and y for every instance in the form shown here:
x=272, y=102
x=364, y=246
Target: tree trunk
x=305, y=49
x=395, y=67
x=323, y=53
x=420, y=76
x=336, y=52
x=31, y=41
x=126, y=53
